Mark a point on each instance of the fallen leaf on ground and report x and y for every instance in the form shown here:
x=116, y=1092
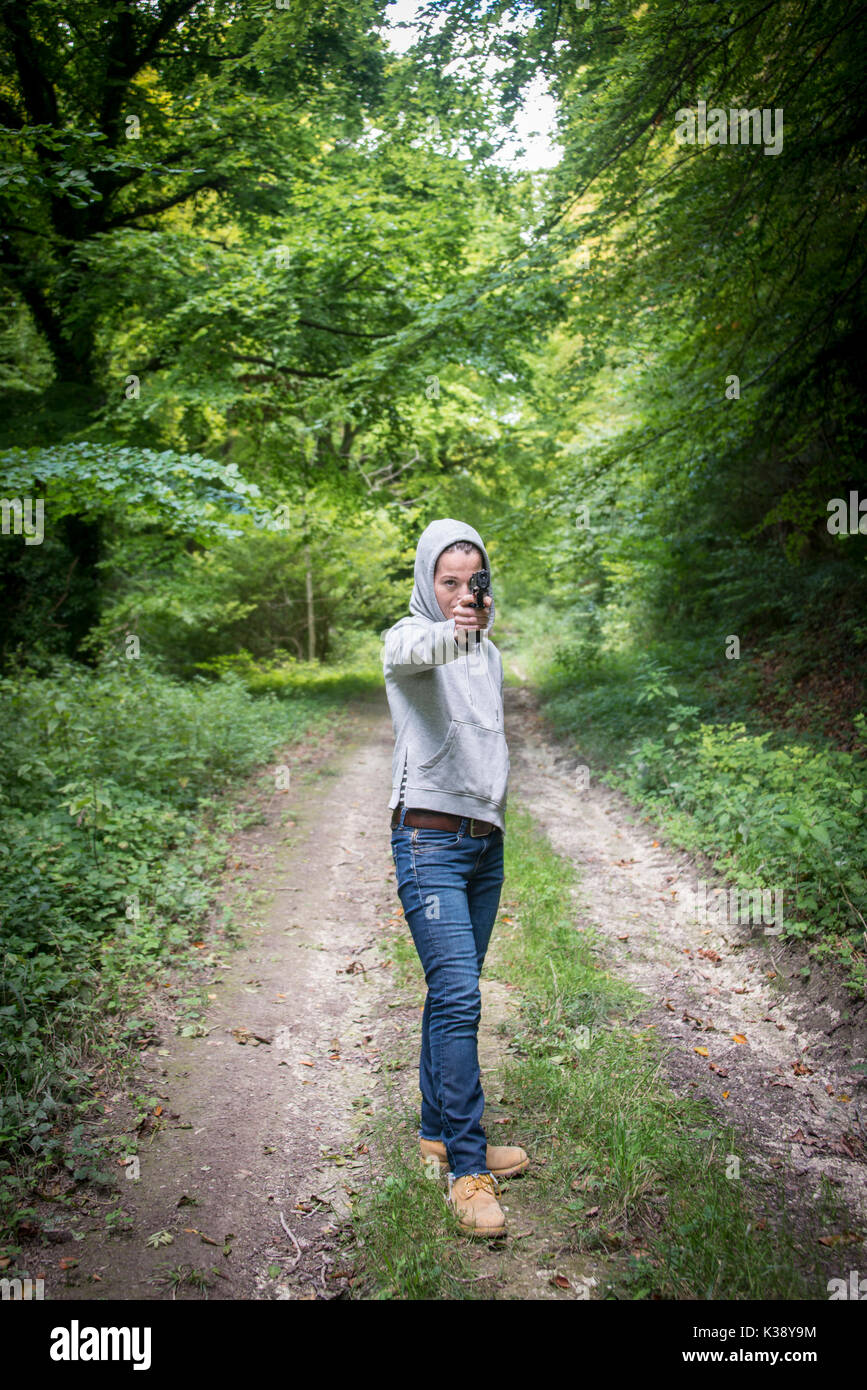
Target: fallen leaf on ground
x=799, y=1137
x=846, y=1144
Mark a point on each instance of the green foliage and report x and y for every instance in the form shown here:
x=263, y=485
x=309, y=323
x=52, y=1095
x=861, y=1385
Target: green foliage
x=185, y=493
x=113, y=117
x=285, y=677
x=199, y=609
x=106, y=509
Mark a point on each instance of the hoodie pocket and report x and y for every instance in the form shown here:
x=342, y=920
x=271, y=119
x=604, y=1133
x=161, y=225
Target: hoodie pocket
x=473, y=761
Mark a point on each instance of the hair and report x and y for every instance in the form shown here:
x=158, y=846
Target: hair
x=467, y=547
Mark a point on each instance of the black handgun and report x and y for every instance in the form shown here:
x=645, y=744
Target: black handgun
x=480, y=586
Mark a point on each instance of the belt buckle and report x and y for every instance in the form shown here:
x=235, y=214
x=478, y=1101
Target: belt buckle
x=476, y=835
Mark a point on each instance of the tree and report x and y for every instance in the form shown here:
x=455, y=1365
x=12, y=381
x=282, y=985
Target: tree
x=116, y=113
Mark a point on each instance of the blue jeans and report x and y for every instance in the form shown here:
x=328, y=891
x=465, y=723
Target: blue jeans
x=449, y=885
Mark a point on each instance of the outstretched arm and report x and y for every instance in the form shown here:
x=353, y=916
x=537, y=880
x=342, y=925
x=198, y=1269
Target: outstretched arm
x=419, y=647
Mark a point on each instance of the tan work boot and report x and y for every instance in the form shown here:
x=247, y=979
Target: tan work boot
x=504, y=1161
x=473, y=1198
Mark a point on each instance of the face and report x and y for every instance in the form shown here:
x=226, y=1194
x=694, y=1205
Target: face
x=452, y=578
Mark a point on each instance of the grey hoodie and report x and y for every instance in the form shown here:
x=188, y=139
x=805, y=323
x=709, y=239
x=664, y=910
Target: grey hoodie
x=446, y=701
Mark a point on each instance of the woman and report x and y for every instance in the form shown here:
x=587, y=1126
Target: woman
x=444, y=680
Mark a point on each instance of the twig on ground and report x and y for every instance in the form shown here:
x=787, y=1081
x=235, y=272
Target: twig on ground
x=292, y=1238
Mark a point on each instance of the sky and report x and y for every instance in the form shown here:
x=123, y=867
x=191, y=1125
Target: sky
x=535, y=123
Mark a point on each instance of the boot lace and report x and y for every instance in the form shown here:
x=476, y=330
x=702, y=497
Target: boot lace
x=484, y=1182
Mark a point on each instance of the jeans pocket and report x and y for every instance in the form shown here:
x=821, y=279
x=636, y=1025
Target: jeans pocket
x=429, y=841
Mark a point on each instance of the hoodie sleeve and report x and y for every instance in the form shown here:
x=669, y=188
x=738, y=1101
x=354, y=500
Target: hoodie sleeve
x=413, y=647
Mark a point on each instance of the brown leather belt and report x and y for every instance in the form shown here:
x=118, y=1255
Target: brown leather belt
x=440, y=820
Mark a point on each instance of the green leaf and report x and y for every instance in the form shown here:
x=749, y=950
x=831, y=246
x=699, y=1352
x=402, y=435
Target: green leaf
x=818, y=831
x=160, y=1238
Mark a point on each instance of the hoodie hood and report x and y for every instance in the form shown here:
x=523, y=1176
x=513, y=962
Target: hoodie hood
x=433, y=541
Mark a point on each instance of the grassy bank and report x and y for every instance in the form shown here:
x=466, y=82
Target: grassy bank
x=694, y=739
x=622, y=1167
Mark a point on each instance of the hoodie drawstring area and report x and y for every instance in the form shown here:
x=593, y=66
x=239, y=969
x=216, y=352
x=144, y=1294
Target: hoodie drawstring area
x=479, y=657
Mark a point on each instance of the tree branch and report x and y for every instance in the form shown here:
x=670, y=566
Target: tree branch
x=285, y=371
x=341, y=332
x=150, y=210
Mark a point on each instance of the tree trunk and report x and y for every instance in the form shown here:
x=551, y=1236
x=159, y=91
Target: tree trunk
x=311, y=617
